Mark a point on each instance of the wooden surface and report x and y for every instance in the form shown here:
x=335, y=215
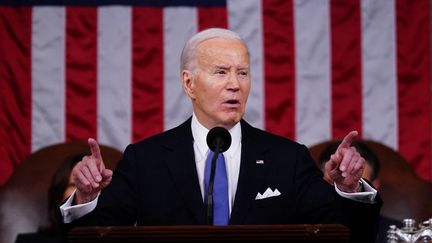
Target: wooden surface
x=236, y=233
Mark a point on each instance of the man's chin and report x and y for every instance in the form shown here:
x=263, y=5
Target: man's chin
x=229, y=123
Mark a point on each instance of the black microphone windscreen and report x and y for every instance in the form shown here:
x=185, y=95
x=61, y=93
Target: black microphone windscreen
x=219, y=137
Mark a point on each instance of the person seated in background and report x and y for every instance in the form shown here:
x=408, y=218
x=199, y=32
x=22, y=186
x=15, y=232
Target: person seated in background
x=61, y=187
x=370, y=173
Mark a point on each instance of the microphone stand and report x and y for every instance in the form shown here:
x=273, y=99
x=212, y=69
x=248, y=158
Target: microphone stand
x=211, y=183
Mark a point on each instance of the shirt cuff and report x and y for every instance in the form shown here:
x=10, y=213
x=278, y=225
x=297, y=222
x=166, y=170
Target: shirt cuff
x=366, y=196
x=70, y=213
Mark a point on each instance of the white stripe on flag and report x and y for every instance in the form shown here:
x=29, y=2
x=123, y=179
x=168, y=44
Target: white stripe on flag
x=114, y=76
x=313, y=92
x=379, y=71
x=180, y=23
x=48, y=76
x=245, y=17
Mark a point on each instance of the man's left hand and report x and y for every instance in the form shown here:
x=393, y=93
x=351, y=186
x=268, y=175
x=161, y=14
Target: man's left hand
x=346, y=166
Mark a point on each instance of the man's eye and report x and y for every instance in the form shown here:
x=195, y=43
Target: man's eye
x=220, y=72
x=243, y=73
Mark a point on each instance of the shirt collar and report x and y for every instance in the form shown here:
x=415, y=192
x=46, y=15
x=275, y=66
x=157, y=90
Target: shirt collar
x=199, y=133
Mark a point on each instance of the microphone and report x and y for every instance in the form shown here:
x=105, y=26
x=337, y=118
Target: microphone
x=218, y=140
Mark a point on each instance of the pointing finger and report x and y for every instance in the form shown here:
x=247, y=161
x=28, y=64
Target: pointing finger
x=348, y=140
x=95, y=150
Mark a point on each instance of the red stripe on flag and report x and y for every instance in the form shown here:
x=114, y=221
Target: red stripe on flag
x=209, y=17
x=15, y=86
x=279, y=67
x=147, y=72
x=346, y=67
x=81, y=73
x=413, y=63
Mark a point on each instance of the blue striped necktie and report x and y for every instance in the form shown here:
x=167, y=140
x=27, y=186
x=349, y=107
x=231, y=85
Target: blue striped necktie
x=220, y=189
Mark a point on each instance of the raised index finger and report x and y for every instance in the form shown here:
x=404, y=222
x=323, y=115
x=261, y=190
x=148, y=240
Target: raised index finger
x=348, y=140
x=95, y=150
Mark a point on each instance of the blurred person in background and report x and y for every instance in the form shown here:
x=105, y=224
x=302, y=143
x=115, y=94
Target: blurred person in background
x=61, y=187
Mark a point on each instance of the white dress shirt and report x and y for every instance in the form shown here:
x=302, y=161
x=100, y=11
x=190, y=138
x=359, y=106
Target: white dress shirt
x=232, y=162
x=232, y=156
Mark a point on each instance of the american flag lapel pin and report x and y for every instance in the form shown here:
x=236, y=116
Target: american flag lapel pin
x=260, y=162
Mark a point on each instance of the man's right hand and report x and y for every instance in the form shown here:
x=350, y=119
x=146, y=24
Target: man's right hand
x=90, y=175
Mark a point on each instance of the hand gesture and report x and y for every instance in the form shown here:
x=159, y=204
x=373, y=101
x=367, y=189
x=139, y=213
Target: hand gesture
x=346, y=166
x=90, y=175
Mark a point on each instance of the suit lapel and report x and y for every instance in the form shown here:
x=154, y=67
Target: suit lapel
x=252, y=174
x=180, y=160
x=181, y=163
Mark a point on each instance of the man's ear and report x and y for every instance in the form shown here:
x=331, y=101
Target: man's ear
x=188, y=83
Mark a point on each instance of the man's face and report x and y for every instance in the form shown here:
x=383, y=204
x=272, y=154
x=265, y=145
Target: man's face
x=219, y=87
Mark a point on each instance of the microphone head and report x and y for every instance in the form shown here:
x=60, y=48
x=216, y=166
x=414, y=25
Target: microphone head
x=219, y=137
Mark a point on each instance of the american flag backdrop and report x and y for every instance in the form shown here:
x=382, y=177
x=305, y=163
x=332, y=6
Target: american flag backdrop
x=70, y=70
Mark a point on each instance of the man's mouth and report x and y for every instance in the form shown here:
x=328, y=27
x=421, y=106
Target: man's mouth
x=232, y=102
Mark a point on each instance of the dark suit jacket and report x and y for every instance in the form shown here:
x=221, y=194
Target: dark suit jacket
x=156, y=184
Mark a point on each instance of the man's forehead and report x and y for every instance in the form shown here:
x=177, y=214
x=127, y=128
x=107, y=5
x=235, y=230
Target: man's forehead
x=222, y=49
x=220, y=61
x=225, y=66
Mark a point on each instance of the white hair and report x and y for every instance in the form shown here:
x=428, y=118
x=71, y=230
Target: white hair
x=188, y=56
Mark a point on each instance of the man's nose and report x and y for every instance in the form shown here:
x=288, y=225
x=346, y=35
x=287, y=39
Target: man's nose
x=233, y=82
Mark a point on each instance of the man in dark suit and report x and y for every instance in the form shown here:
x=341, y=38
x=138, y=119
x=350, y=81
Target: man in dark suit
x=271, y=180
